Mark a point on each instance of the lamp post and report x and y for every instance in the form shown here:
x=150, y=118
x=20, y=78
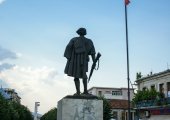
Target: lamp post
x=127, y=53
x=36, y=110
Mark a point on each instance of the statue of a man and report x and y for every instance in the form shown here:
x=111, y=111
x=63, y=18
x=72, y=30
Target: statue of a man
x=77, y=53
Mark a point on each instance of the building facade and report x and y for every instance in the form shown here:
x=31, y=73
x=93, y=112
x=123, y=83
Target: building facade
x=112, y=93
x=159, y=81
x=159, y=107
x=118, y=99
x=10, y=94
x=4, y=94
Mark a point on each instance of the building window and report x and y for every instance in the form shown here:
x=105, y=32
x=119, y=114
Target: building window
x=123, y=115
x=168, y=88
x=100, y=93
x=116, y=92
x=144, y=88
x=161, y=88
x=115, y=115
x=131, y=115
x=152, y=87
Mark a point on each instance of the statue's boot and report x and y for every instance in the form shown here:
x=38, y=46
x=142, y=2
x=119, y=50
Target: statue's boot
x=77, y=84
x=85, y=86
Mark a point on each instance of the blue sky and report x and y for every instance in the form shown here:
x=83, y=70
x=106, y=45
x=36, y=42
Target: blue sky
x=34, y=33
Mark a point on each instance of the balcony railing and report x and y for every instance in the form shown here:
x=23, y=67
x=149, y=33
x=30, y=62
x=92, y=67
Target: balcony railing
x=152, y=103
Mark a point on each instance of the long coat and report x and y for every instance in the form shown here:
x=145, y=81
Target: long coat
x=77, y=53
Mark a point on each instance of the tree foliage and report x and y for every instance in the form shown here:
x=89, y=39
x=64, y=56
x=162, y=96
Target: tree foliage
x=151, y=94
x=107, y=115
x=13, y=111
x=138, y=75
x=50, y=115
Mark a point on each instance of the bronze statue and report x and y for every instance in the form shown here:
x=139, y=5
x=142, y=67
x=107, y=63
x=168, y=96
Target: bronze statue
x=77, y=53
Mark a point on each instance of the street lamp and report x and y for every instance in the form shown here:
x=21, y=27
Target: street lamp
x=36, y=110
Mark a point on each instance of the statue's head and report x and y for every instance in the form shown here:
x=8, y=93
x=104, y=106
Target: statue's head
x=81, y=31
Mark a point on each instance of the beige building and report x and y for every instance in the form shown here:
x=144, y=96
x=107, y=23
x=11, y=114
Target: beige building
x=118, y=100
x=13, y=95
x=112, y=93
x=161, y=83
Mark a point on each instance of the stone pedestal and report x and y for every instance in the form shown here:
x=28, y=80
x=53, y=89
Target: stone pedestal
x=80, y=109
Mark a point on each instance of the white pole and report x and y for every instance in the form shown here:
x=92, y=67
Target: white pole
x=36, y=110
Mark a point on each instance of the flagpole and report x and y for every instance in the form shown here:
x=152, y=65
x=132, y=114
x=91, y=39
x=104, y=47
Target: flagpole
x=127, y=52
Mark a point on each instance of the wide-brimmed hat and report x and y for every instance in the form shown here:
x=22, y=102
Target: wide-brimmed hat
x=81, y=31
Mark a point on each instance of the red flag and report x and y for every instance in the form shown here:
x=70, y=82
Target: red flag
x=127, y=2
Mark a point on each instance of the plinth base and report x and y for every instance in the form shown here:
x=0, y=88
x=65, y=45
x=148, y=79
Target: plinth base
x=80, y=109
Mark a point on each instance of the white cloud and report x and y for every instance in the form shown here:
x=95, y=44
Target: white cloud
x=38, y=84
x=1, y=1
x=43, y=84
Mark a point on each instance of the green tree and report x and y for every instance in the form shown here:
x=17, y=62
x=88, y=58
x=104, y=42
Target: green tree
x=138, y=75
x=22, y=112
x=13, y=111
x=107, y=115
x=144, y=95
x=50, y=115
x=4, y=109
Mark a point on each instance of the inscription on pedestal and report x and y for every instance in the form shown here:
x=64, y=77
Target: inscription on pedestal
x=80, y=109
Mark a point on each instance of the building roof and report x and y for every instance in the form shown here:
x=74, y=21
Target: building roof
x=155, y=75
x=119, y=104
x=110, y=88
